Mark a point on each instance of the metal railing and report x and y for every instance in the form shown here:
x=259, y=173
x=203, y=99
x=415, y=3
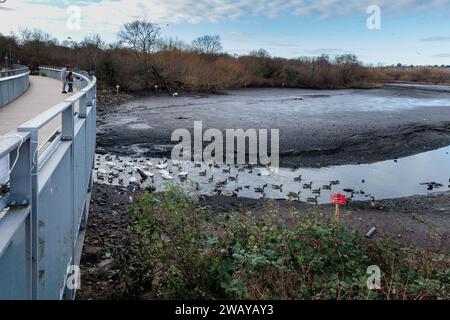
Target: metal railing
x=13, y=83
x=42, y=233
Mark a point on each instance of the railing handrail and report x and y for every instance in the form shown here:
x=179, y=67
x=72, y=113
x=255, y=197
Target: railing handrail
x=37, y=250
x=15, y=71
x=48, y=115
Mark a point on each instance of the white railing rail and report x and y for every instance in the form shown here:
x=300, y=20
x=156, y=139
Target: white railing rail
x=60, y=180
x=13, y=83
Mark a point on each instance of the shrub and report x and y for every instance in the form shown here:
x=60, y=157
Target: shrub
x=182, y=251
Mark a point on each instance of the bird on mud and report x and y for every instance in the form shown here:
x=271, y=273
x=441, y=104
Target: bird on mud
x=294, y=195
x=313, y=200
x=376, y=205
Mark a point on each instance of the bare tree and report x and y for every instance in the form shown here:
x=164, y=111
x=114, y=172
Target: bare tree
x=209, y=44
x=140, y=35
x=260, y=53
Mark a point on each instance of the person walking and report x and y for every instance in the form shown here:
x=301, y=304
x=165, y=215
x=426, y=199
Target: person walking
x=64, y=73
x=70, y=82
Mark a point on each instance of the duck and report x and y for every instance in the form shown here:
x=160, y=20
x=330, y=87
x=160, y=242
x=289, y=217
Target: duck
x=308, y=185
x=298, y=179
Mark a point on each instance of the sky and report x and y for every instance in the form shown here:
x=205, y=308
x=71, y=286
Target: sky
x=411, y=31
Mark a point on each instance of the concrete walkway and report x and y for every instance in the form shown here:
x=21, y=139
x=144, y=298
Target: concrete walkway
x=42, y=94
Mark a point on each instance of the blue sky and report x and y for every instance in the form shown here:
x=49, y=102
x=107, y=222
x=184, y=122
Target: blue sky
x=412, y=31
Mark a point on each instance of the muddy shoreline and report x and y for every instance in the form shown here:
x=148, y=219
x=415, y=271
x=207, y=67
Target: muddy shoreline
x=317, y=127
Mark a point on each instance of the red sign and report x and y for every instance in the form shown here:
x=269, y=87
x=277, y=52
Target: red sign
x=338, y=199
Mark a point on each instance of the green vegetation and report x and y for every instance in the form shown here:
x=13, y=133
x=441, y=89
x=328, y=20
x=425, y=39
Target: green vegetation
x=179, y=250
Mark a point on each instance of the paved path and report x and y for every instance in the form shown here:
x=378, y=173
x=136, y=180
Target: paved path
x=42, y=94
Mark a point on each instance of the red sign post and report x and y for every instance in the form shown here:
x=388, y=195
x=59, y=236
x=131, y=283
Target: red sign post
x=338, y=200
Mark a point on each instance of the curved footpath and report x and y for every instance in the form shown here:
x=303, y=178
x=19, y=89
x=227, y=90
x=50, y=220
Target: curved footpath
x=42, y=94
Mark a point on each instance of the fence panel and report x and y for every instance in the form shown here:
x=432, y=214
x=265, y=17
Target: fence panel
x=58, y=189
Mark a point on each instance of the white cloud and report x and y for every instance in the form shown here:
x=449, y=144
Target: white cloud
x=107, y=16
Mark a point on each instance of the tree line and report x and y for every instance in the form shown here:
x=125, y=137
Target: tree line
x=142, y=58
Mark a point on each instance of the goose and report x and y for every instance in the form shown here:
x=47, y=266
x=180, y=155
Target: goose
x=108, y=158
x=216, y=192
x=132, y=180
x=202, y=174
x=231, y=194
x=226, y=170
x=262, y=195
x=298, y=179
x=294, y=195
x=316, y=191
x=196, y=186
x=348, y=190
x=277, y=187
x=197, y=165
x=211, y=179
x=233, y=178
x=102, y=171
x=375, y=204
x=247, y=187
x=259, y=190
x=327, y=186
x=335, y=182
x=308, y=185
x=238, y=189
x=110, y=164
x=313, y=200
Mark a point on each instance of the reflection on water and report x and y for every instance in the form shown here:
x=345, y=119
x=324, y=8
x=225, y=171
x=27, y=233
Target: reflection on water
x=383, y=180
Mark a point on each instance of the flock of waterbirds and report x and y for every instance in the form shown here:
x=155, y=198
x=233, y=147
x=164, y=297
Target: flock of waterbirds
x=219, y=179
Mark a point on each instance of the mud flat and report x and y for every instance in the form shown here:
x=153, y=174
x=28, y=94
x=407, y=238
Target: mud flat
x=317, y=127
